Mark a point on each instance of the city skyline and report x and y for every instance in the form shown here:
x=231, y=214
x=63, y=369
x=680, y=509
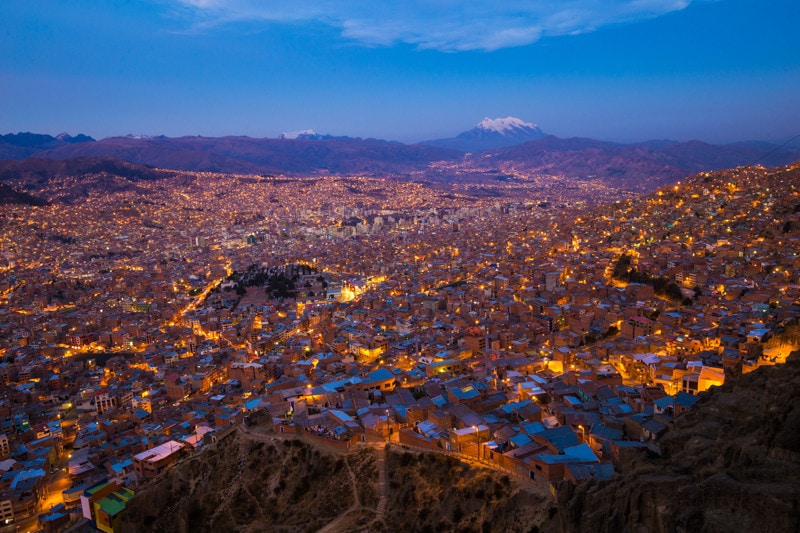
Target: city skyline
x=623, y=71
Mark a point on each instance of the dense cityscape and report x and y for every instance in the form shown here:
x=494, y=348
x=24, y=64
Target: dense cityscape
x=399, y=267
x=539, y=330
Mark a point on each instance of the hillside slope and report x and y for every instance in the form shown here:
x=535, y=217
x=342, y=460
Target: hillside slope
x=243, y=484
x=433, y=492
x=642, y=167
x=253, y=484
x=731, y=464
x=73, y=180
x=9, y=195
x=37, y=171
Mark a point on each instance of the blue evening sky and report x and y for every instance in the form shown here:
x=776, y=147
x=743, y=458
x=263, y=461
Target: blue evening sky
x=410, y=70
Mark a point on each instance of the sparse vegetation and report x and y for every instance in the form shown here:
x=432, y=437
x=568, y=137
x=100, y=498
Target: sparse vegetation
x=623, y=271
x=245, y=484
x=448, y=495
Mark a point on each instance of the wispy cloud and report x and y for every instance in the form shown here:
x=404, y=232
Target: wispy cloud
x=445, y=25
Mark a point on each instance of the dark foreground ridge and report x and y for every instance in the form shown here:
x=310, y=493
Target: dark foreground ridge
x=731, y=464
x=258, y=483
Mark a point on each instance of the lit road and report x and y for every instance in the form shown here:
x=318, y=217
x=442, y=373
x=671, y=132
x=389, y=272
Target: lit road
x=57, y=483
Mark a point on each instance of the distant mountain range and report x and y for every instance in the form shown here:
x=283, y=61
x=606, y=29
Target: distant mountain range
x=638, y=166
x=312, y=135
x=22, y=145
x=491, y=133
x=519, y=147
x=246, y=155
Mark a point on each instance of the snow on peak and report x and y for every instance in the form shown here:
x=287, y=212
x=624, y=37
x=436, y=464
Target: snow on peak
x=296, y=134
x=504, y=125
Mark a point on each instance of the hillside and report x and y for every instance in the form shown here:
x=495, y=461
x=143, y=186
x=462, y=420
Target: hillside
x=432, y=492
x=37, y=171
x=72, y=180
x=245, y=484
x=9, y=195
x=265, y=484
x=731, y=464
x=642, y=167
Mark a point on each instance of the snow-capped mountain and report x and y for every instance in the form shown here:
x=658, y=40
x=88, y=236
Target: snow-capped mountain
x=79, y=138
x=141, y=136
x=492, y=133
x=506, y=126
x=311, y=135
x=300, y=134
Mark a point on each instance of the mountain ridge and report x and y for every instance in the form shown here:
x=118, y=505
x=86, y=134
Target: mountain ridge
x=25, y=144
x=637, y=167
x=237, y=154
x=641, y=166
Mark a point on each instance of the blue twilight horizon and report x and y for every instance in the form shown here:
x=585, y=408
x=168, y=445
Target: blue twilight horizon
x=715, y=70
